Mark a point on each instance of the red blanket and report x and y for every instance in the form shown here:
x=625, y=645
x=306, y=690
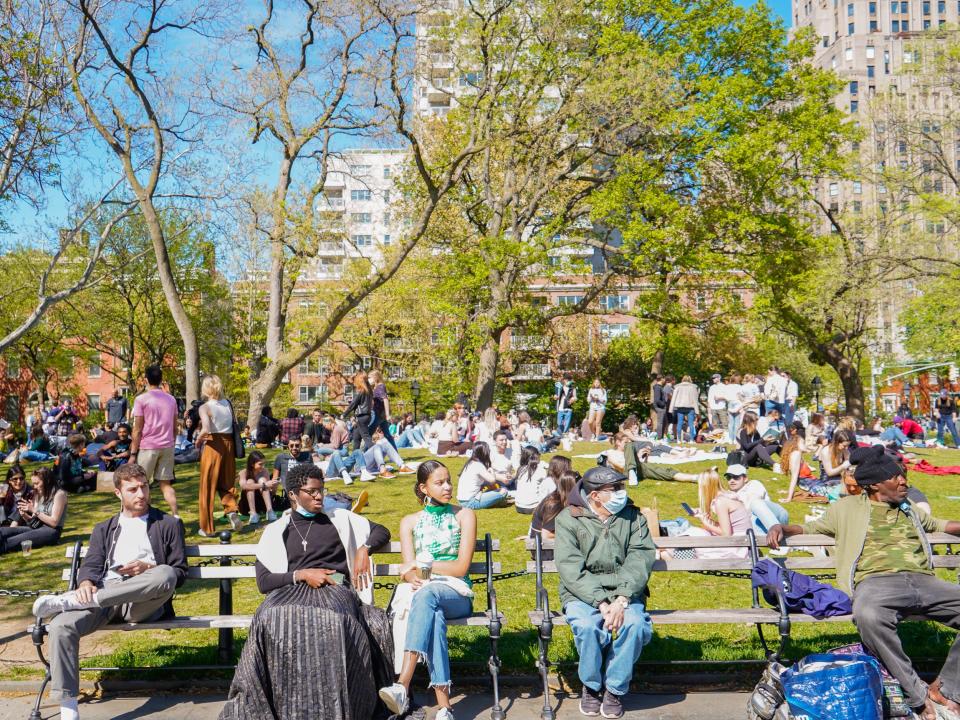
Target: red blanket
x=925, y=467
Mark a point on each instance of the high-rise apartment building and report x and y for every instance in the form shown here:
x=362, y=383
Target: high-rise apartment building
x=873, y=45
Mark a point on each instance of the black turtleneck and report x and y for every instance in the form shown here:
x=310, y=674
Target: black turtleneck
x=324, y=549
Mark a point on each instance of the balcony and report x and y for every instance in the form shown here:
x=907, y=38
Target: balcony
x=528, y=342
x=532, y=371
x=335, y=179
x=330, y=248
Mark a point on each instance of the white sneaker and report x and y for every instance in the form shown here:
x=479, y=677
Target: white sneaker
x=444, y=714
x=235, y=522
x=347, y=480
x=47, y=605
x=254, y=519
x=395, y=698
x=271, y=516
x=777, y=469
x=201, y=533
x=367, y=476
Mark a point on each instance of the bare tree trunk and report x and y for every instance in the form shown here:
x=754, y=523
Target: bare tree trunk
x=262, y=390
x=487, y=370
x=850, y=380
x=191, y=349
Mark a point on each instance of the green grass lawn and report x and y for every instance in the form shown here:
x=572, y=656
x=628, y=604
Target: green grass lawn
x=390, y=500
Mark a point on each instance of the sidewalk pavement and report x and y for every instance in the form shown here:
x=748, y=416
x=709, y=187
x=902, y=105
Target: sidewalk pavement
x=692, y=706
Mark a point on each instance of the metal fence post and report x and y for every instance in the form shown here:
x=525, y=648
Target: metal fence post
x=225, y=640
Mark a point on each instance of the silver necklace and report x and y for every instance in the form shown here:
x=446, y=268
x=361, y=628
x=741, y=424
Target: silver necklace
x=303, y=538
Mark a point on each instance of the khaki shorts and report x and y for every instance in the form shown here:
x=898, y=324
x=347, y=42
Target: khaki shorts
x=157, y=464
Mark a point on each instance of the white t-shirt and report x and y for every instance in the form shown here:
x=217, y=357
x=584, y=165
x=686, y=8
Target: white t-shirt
x=752, y=490
x=731, y=393
x=502, y=463
x=533, y=436
x=775, y=389
x=792, y=391
x=132, y=544
x=597, y=397
x=473, y=476
x=717, y=397
x=530, y=491
x=221, y=419
x=436, y=427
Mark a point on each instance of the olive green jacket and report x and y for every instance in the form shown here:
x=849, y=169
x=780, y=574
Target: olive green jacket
x=599, y=561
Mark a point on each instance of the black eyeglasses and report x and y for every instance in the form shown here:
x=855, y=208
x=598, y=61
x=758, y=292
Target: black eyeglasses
x=315, y=493
x=614, y=487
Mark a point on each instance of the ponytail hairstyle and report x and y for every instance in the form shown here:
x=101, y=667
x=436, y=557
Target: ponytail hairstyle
x=529, y=461
x=424, y=471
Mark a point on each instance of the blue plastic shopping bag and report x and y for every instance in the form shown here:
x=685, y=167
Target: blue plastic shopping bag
x=835, y=687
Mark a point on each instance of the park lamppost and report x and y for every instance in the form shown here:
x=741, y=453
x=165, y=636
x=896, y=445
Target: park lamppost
x=415, y=394
x=817, y=383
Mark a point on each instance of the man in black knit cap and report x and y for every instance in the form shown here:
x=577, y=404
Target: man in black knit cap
x=884, y=560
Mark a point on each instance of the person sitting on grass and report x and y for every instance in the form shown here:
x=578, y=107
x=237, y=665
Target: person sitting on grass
x=792, y=462
x=757, y=450
x=286, y=461
x=477, y=486
x=13, y=490
x=38, y=449
x=635, y=461
x=317, y=647
x=135, y=560
x=116, y=453
x=257, y=489
x=42, y=515
x=604, y=554
x=532, y=483
x=71, y=475
x=885, y=562
x=376, y=457
x=445, y=536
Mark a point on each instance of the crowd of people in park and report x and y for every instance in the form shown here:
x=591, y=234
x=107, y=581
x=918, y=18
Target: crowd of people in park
x=313, y=559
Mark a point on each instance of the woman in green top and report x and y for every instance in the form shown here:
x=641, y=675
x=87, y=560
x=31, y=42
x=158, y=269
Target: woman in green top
x=447, y=535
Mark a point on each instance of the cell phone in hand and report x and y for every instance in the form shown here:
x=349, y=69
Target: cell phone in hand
x=116, y=568
x=689, y=509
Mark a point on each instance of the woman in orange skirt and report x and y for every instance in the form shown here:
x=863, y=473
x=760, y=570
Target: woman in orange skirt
x=217, y=461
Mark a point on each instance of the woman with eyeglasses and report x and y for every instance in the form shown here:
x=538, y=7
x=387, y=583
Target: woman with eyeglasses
x=317, y=646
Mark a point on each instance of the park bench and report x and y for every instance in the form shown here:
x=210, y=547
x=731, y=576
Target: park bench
x=544, y=618
x=227, y=563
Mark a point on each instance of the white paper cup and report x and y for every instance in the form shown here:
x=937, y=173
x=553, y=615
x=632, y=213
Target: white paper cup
x=424, y=566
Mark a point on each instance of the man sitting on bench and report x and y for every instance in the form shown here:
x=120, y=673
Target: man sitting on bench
x=604, y=553
x=883, y=557
x=134, y=562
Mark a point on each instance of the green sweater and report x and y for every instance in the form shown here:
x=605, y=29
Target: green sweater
x=599, y=561
x=848, y=520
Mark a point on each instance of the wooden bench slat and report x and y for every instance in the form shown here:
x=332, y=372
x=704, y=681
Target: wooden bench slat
x=393, y=569
x=481, y=546
x=744, y=541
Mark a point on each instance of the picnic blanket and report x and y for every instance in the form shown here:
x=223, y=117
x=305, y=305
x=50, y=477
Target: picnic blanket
x=924, y=467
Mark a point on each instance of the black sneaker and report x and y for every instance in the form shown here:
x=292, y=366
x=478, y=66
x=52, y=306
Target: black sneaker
x=611, y=707
x=589, y=702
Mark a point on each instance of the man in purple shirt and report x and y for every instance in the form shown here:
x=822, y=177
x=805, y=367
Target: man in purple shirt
x=154, y=435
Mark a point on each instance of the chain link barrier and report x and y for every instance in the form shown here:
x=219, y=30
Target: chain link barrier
x=476, y=581
x=744, y=575
x=25, y=593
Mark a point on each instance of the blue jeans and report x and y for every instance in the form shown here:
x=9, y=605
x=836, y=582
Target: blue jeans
x=323, y=451
x=734, y=426
x=35, y=456
x=486, y=500
x=894, y=434
x=951, y=426
x=563, y=420
x=410, y=437
x=690, y=415
x=432, y=606
x=765, y=514
x=375, y=458
x=786, y=412
x=339, y=463
x=594, y=645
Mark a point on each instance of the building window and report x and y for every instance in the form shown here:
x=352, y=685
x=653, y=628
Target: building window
x=93, y=403
x=94, y=370
x=854, y=87
x=386, y=173
x=360, y=217
x=854, y=106
x=613, y=303
x=826, y=38
x=871, y=71
x=871, y=52
x=387, y=240
x=848, y=53
x=850, y=28
x=849, y=9
x=942, y=7
x=926, y=24
x=614, y=330
x=348, y=391
x=873, y=8
x=360, y=170
x=359, y=195
x=362, y=240
x=569, y=299
x=857, y=187
x=857, y=206
x=307, y=393
x=834, y=189
x=873, y=26
x=895, y=26
x=386, y=196
x=905, y=26
x=13, y=368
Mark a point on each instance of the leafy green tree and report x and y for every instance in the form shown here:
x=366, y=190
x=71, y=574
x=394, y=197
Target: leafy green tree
x=931, y=320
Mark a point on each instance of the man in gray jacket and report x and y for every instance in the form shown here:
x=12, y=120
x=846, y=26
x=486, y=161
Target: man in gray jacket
x=604, y=553
x=134, y=562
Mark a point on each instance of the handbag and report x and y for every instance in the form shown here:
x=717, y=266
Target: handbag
x=239, y=452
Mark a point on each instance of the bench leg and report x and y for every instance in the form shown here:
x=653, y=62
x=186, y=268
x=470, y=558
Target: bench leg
x=35, y=715
x=544, y=635
x=496, y=713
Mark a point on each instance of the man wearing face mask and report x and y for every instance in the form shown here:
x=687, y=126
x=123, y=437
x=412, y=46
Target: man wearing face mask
x=604, y=553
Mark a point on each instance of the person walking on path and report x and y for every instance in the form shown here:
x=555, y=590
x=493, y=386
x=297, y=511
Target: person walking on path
x=155, y=434
x=945, y=410
x=218, y=467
